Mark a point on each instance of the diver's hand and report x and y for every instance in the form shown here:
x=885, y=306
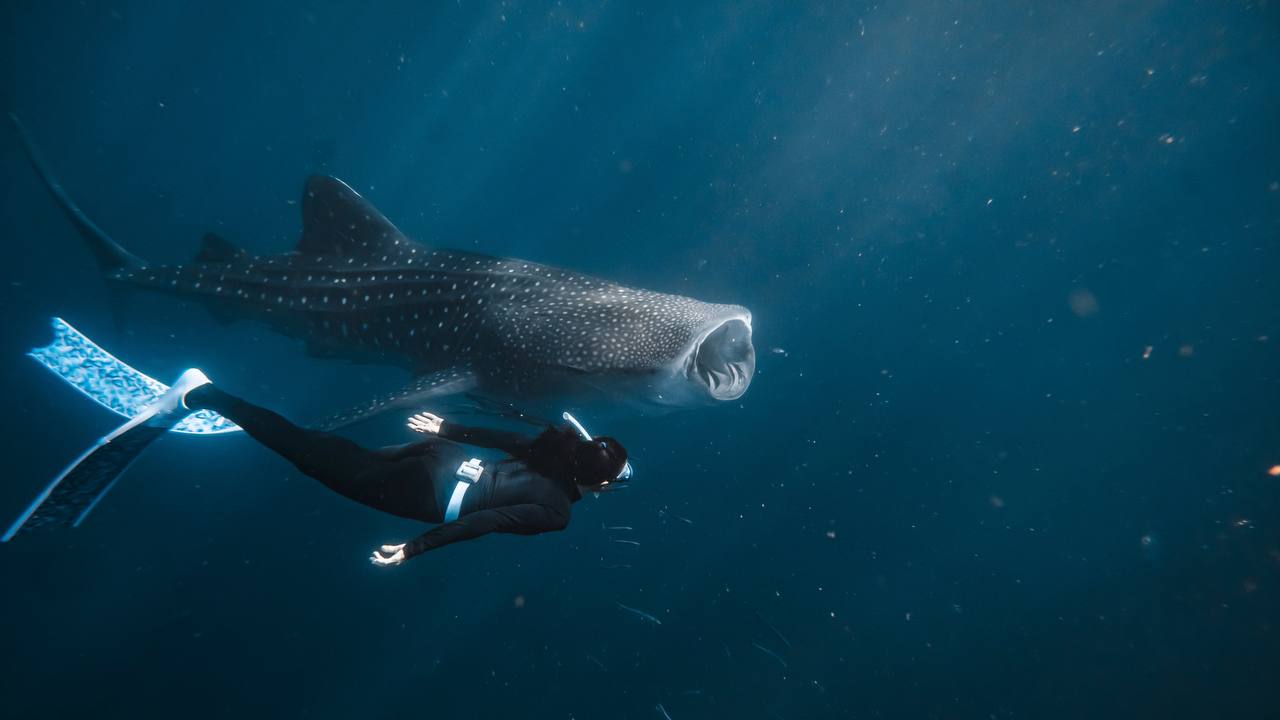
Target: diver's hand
x=388, y=555
x=425, y=423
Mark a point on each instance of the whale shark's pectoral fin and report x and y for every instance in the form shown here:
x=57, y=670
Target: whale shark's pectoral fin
x=423, y=389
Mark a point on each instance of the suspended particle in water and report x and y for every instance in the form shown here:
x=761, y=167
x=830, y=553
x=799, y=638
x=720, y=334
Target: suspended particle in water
x=1083, y=303
x=1146, y=352
x=1150, y=545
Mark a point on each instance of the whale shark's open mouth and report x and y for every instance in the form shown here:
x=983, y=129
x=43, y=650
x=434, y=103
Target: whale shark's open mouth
x=723, y=360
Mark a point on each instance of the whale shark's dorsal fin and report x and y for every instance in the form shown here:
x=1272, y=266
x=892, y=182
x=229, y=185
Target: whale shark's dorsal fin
x=337, y=221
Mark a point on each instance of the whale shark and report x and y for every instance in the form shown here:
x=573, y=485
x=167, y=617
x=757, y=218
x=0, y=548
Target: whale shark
x=462, y=323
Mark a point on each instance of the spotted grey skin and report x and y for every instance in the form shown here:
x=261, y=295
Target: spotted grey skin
x=357, y=288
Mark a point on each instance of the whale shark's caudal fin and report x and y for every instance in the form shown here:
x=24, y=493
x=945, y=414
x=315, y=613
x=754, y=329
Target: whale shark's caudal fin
x=110, y=256
x=337, y=222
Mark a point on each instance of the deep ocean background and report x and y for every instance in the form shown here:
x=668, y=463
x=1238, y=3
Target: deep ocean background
x=956, y=488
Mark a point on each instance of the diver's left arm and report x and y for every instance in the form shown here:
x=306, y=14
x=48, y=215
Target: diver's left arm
x=526, y=519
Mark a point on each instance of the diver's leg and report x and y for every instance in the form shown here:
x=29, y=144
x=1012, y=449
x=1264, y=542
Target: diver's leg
x=395, y=480
x=331, y=459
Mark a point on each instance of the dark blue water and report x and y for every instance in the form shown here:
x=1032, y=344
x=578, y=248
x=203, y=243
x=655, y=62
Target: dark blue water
x=961, y=492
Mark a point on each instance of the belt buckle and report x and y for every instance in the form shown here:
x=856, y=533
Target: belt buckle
x=470, y=471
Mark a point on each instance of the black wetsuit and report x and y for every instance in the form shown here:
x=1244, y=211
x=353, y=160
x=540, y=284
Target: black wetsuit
x=416, y=480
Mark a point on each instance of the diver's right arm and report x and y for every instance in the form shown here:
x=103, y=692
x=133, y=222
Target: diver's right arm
x=509, y=442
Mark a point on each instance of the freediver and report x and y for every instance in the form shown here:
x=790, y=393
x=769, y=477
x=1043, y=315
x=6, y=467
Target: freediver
x=435, y=480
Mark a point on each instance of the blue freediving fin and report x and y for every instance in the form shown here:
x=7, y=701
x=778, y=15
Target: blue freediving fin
x=125, y=391
x=77, y=489
x=111, y=382
x=81, y=486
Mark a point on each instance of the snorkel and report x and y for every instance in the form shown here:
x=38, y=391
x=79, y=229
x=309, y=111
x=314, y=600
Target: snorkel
x=625, y=473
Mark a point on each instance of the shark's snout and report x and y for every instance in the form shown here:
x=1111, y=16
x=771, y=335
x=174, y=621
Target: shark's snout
x=723, y=360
